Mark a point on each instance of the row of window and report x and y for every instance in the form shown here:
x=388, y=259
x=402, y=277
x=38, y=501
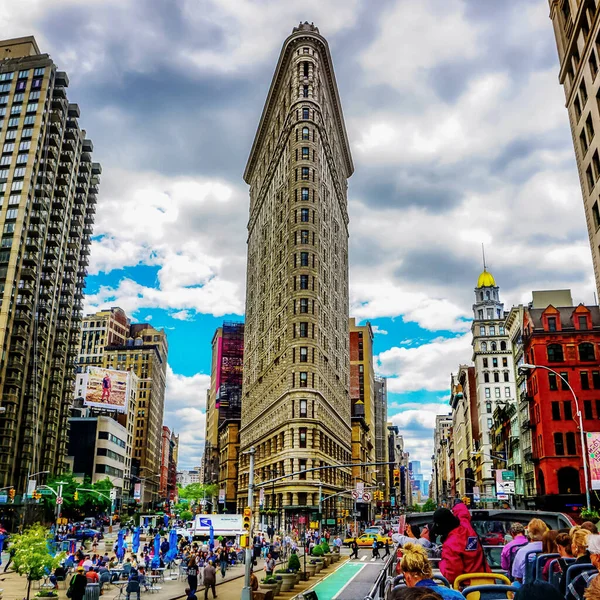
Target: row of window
x=14, y=121
x=33, y=95
x=105, y=435
x=16, y=109
x=495, y=361
x=493, y=347
x=23, y=74
x=584, y=379
x=497, y=392
x=489, y=314
x=491, y=330
x=586, y=352
x=486, y=376
x=554, y=324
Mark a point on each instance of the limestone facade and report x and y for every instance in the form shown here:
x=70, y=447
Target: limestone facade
x=295, y=398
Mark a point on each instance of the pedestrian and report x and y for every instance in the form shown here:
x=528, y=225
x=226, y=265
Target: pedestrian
x=223, y=560
x=354, y=547
x=376, y=549
x=191, y=594
x=77, y=585
x=269, y=565
x=387, y=548
x=192, y=574
x=210, y=579
x=11, y=555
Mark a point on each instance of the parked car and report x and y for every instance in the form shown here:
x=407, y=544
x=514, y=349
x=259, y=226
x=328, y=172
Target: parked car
x=87, y=534
x=366, y=540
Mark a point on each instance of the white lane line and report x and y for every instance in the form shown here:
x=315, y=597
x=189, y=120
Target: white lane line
x=364, y=557
x=373, y=559
x=348, y=582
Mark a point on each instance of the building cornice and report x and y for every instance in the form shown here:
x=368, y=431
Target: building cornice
x=289, y=45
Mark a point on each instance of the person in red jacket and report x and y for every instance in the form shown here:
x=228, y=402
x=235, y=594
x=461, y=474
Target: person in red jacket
x=461, y=549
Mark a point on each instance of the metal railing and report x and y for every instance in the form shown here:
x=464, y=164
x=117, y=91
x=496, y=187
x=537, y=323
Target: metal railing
x=383, y=583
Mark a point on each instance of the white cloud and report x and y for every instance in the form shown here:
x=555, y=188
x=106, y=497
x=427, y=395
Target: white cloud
x=183, y=315
x=185, y=405
x=426, y=367
x=378, y=330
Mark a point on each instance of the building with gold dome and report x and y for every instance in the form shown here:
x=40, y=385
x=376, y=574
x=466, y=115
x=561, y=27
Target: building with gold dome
x=494, y=382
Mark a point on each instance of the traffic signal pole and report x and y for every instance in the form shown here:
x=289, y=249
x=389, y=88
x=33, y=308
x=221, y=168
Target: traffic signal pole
x=247, y=590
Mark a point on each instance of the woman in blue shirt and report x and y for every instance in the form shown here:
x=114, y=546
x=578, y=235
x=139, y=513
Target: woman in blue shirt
x=417, y=571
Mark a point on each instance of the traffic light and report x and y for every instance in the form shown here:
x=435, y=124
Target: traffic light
x=396, y=477
x=76, y=496
x=11, y=493
x=246, y=518
x=244, y=541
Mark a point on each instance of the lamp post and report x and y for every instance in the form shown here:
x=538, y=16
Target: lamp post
x=530, y=367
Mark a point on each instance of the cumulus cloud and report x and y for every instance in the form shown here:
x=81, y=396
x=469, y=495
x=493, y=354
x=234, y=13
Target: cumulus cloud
x=185, y=413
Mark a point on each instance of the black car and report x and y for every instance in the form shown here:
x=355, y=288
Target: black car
x=87, y=534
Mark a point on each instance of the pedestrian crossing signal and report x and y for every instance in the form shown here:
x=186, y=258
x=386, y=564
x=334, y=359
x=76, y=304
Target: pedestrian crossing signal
x=246, y=518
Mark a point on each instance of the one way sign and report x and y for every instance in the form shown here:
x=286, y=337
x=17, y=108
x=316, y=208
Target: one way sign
x=205, y=522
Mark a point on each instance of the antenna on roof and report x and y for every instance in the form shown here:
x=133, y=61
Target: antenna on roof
x=483, y=252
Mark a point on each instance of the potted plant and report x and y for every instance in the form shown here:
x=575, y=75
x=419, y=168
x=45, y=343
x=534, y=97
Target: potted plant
x=47, y=594
x=279, y=582
x=288, y=579
x=589, y=514
x=311, y=569
x=269, y=583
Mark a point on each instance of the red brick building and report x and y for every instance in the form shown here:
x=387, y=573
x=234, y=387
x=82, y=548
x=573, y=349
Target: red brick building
x=565, y=339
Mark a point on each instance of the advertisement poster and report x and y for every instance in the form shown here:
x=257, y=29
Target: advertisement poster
x=107, y=388
x=137, y=491
x=593, y=447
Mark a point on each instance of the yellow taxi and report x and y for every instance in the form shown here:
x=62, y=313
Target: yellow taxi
x=366, y=540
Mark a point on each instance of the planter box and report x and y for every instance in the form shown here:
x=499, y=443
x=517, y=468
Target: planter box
x=268, y=586
x=326, y=561
x=318, y=567
x=288, y=581
x=311, y=570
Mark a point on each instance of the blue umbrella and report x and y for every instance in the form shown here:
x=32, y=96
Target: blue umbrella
x=156, y=559
x=120, y=547
x=166, y=520
x=135, y=543
x=211, y=539
x=2, y=538
x=172, y=553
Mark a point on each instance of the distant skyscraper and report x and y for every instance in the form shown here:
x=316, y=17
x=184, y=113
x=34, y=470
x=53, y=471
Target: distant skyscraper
x=295, y=404
x=577, y=29
x=48, y=187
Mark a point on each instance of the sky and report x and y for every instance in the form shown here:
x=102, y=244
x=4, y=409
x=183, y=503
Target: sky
x=459, y=137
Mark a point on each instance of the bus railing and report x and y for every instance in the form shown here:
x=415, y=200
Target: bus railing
x=384, y=581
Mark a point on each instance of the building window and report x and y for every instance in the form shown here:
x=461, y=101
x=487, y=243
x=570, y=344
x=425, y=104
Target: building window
x=555, y=353
x=556, y=411
x=304, y=259
x=552, y=382
x=497, y=392
x=305, y=173
x=481, y=330
x=305, y=153
x=488, y=407
x=485, y=363
x=303, y=282
x=305, y=113
x=487, y=393
x=302, y=466
x=303, y=354
x=302, y=437
x=494, y=362
x=507, y=392
x=501, y=330
x=551, y=323
x=596, y=379
x=486, y=377
x=303, y=408
x=303, y=305
x=585, y=380
x=492, y=330
x=303, y=330
x=506, y=377
x=586, y=351
x=490, y=423
x=564, y=381
x=559, y=447
x=587, y=410
x=305, y=91
x=571, y=446
x=304, y=237
x=304, y=215
x=305, y=133
x=304, y=194
x=303, y=379
x=484, y=346
x=567, y=410
x=496, y=377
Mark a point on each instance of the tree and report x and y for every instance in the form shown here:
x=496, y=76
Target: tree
x=186, y=515
x=430, y=505
x=32, y=556
x=199, y=491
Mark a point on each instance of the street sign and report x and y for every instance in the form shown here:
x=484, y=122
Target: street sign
x=502, y=496
x=355, y=494
x=59, y=500
x=45, y=492
x=222, y=496
x=113, y=494
x=508, y=475
x=314, y=525
x=261, y=496
x=205, y=522
x=476, y=494
x=3, y=499
x=490, y=499
x=366, y=497
x=302, y=520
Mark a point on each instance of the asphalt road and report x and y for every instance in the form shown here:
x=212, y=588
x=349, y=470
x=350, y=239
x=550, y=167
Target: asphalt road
x=353, y=580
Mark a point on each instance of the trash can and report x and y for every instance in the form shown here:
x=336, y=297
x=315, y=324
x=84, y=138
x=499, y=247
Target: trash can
x=92, y=591
x=310, y=595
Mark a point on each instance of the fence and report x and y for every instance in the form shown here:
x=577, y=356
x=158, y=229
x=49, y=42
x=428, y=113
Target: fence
x=383, y=583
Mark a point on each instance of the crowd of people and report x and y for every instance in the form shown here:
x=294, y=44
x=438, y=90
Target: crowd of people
x=461, y=552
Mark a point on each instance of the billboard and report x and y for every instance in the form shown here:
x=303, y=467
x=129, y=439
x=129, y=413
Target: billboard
x=107, y=388
x=593, y=447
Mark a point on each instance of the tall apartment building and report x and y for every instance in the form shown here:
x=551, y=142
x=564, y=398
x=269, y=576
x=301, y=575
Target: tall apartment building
x=48, y=188
x=295, y=404
x=224, y=408
x=441, y=458
x=362, y=399
x=145, y=354
x=168, y=464
x=577, y=31
x=381, y=453
x=105, y=328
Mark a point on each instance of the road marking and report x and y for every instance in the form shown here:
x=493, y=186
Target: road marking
x=329, y=587
x=348, y=582
x=364, y=557
x=373, y=559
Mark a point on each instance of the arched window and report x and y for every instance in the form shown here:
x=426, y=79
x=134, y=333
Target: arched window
x=586, y=351
x=305, y=133
x=568, y=481
x=484, y=346
x=502, y=345
x=555, y=353
x=494, y=347
x=487, y=295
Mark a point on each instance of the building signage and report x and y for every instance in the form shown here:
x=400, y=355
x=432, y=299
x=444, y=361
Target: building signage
x=222, y=496
x=107, y=388
x=476, y=494
x=261, y=496
x=593, y=446
x=504, y=486
x=508, y=475
x=137, y=491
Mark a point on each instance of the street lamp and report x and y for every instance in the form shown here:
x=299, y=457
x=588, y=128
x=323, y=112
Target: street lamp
x=529, y=367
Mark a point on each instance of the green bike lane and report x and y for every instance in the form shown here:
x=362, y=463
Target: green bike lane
x=340, y=580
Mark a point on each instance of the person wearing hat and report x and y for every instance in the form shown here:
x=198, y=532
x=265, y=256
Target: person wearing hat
x=77, y=585
x=461, y=549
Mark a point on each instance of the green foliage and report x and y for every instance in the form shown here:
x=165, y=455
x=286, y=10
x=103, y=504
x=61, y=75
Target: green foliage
x=88, y=502
x=589, y=514
x=198, y=491
x=186, y=515
x=413, y=509
x=317, y=551
x=429, y=506
x=325, y=546
x=32, y=557
x=293, y=563
x=270, y=580
x=46, y=594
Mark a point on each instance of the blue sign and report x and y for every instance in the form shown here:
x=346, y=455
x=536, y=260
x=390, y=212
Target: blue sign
x=471, y=544
x=205, y=522
x=3, y=499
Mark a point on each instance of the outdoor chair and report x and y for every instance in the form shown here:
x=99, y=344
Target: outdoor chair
x=489, y=592
x=541, y=562
x=530, y=562
x=478, y=579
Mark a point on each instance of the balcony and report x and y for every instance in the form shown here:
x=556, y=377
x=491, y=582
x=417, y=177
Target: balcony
x=21, y=333
x=28, y=273
x=31, y=258
x=16, y=364
x=18, y=348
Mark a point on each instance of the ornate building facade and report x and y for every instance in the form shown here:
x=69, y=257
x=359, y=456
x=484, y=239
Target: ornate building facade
x=295, y=402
